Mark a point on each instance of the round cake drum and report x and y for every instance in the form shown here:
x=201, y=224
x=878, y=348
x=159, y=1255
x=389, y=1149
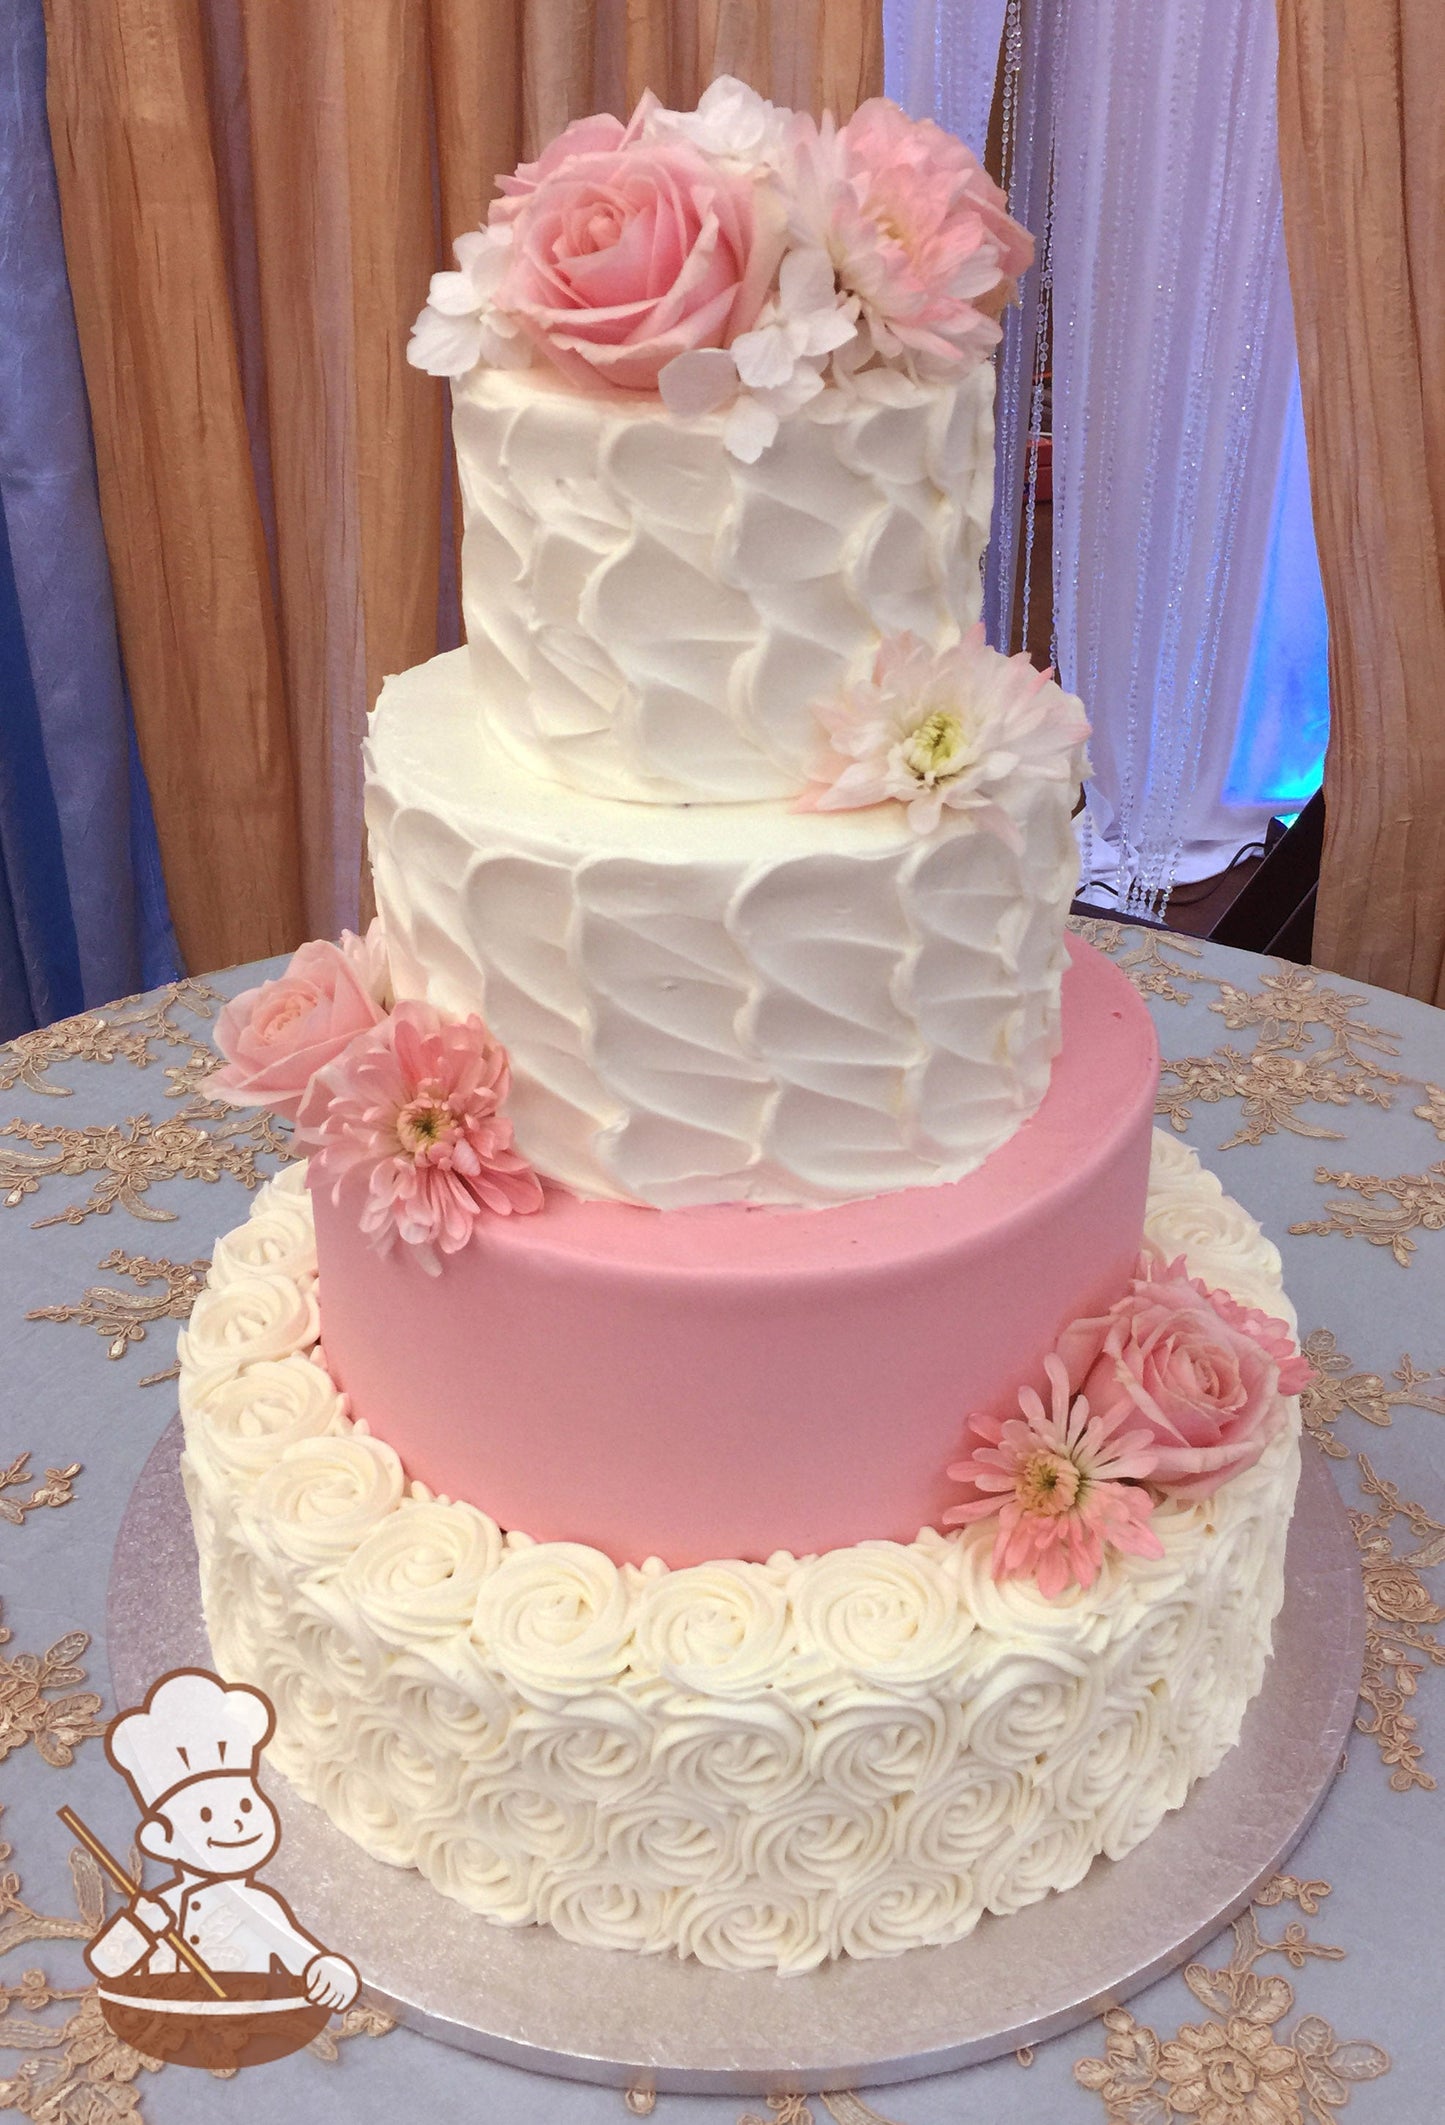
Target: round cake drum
x=531, y=1999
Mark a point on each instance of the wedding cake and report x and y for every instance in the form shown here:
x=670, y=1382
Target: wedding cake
x=739, y=1439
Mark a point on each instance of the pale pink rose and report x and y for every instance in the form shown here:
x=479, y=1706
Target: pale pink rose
x=413, y=1106
x=1204, y=1375
x=917, y=231
x=368, y=957
x=601, y=134
x=276, y=1037
x=1065, y=1484
x=624, y=257
x=952, y=729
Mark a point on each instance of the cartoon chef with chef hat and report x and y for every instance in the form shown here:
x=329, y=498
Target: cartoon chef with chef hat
x=189, y=1754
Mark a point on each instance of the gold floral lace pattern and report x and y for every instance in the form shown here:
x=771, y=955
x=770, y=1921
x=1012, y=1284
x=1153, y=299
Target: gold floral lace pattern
x=30, y=1709
x=1242, y=2065
x=1387, y=1210
x=844, y=2108
x=131, y=1031
x=1336, y=1389
x=58, y=1488
x=165, y=1291
x=131, y=1158
x=1400, y=1629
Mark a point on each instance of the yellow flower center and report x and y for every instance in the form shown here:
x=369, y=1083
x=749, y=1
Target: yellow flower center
x=1048, y=1484
x=936, y=750
x=423, y=1124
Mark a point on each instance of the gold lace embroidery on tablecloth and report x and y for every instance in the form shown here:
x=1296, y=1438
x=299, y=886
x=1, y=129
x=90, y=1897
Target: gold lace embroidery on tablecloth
x=121, y=1318
x=130, y=1031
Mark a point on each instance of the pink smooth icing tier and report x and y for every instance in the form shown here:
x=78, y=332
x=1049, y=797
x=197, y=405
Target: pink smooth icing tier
x=730, y=1381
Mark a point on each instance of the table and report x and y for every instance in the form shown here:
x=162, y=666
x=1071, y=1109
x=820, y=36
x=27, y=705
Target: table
x=1320, y=1103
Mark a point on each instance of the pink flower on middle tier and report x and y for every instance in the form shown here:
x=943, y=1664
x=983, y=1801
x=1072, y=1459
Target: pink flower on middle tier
x=625, y=256
x=413, y=1106
x=1202, y=1374
x=1065, y=1484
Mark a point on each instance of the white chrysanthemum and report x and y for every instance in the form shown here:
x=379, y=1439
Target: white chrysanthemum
x=947, y=729
x=461, y=324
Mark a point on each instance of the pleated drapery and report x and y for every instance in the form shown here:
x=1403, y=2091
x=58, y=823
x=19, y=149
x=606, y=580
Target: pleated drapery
x=255, y=193
x=1139, y=145
x=1362, y=149
x=80, y=921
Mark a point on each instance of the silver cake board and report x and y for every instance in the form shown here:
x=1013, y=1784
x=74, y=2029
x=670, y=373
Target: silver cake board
x=529, y=1998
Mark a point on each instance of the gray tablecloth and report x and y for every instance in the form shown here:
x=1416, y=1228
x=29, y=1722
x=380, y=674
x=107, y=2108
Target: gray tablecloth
x=1322, y=1107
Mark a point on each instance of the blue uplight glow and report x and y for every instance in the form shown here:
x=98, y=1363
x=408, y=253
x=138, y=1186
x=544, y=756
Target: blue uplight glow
x=1284, y=719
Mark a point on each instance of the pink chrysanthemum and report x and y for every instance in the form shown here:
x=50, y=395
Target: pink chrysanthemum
x=946, y=730
x=413, y=1105
x=1065, y=1486
x=917, y=231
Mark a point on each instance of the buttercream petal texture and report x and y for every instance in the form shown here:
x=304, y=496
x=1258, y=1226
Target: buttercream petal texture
x=711, y=1003
x=651, y=619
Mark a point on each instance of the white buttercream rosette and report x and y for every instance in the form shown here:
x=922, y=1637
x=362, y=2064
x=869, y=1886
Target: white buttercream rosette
x=670, y=1842
x=280, y=1235
x=556, y=1619
x=262, y=1315
x=718, y=1630
x=416, y=1575
x=241, y=1425
x=477, y=1872
x=882, y=1613
x=323, y=1496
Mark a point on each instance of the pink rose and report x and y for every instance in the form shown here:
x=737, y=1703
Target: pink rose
x=1206, y=1375
x=601, y=134
x=625, y=256
x=276, y=1037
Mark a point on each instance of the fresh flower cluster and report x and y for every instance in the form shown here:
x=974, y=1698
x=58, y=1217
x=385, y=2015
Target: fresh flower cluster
x=946, y=729
x=394, y=1093
x=1173, y=1392
x=735, y=258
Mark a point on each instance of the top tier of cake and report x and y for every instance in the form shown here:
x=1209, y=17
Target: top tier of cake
x=750, y=851
x=652, y=619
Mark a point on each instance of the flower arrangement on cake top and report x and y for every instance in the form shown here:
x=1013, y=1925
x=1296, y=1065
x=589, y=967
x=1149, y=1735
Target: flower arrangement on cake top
x=394, y=1093
x=737, y=259
x=1175, y=1391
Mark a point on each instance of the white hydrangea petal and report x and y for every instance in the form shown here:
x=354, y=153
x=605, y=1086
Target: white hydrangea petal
x=805, y=281
x=824, y=330
x=749, y=429
x=452, y=294
x=445, y=346
x=482, y=256
x=764, y=358
x=698, y=382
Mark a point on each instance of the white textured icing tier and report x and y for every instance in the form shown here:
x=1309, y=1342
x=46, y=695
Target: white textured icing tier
x=761, y=1765
x=719, y=1003
x=651, y=619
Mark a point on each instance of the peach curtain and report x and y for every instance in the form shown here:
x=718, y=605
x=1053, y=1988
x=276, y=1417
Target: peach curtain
x=254, y=193
x=1362, y=148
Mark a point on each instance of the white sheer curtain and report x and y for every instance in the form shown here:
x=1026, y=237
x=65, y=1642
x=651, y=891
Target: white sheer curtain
x=1140, y=144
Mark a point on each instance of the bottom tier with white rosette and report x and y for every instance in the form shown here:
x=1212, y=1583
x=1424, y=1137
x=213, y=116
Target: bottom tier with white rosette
x=762, y=1765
